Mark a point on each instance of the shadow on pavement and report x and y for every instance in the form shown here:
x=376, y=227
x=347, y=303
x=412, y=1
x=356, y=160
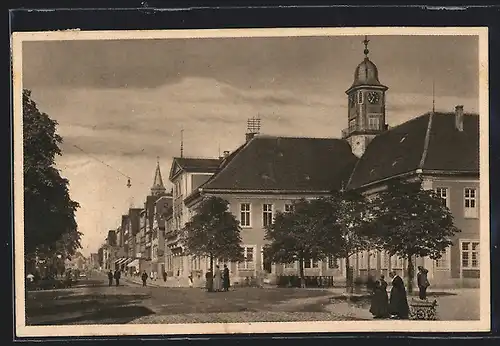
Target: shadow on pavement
x=86, y=308
x=108, y=315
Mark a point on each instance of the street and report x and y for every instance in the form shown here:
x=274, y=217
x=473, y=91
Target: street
x=91, y=301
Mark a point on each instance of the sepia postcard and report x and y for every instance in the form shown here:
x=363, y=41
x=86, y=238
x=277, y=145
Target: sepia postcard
x=251, y=181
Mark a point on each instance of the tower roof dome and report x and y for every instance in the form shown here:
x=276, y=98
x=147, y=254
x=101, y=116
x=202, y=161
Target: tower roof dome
x=366, y=73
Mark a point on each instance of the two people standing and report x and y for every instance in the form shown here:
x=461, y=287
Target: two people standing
x=395, y=306
x=116, y=276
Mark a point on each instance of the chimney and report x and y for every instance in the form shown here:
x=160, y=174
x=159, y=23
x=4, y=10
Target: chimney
x=459, y=118
x=249, y=136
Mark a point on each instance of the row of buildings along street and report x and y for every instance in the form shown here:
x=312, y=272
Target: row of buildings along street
x=265, y=174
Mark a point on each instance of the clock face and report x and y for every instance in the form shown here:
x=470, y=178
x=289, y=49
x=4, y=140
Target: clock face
x=373, y=97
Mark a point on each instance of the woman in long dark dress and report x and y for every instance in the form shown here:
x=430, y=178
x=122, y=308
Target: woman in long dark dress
x=380, y=302
x=398, y=303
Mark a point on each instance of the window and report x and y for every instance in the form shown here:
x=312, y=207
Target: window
x=443, y=193
x=288, y=208
x=397, y=262
x=373, y=259
x=373, y=122
x=291, y=265
x=352, y=124
x=333, y=263
x=363, y=260
x=248, y=263
x=470, y=204
x=444, y=261
x=245, y=214
x=384, y=260
x=267, y=215
x=470, y=254
x=360, y=97
x=310, y=263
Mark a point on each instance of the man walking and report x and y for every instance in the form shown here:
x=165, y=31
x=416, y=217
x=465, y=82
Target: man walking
x=423, y=282
x=144, y=278
x=110, y=277
x=117, y=277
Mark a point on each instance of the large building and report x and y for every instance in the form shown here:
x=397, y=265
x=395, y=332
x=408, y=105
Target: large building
x=267, y=173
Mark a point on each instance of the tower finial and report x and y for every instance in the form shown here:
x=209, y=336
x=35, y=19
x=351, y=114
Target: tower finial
x=365, y=42
x=182, y=142
x=433, y=96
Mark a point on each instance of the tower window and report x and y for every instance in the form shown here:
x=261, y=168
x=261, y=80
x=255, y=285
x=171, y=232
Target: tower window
x=373, y=122
x=360, y=97
x=352, y=125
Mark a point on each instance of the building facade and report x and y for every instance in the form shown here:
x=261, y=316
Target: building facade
x=267, y=173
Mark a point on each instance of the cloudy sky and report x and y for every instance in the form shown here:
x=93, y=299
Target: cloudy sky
x=125, y=102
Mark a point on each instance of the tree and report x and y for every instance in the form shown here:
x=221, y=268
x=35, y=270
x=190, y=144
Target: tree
x=49, y=212
x=352, y=227
x=213, y=232
x=411, y=221
x=300, y=235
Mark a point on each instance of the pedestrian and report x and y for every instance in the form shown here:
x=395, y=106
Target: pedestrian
x=151, y=275
x=398, y=303
x=209, y=280
x=380, y=302
x=423, y=282
x=165, y=276
x=217, y=279
x=117, y=277
x=225, y=278
x=144, y=278
x=190, y=281
x=110, y=277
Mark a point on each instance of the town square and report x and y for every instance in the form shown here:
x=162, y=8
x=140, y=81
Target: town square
x=227, y=179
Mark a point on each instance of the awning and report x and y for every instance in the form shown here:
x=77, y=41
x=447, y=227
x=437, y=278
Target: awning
x=134, y=263
x=128, y=260
x=120, y=261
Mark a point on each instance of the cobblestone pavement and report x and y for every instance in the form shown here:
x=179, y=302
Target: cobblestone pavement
x=94, y=302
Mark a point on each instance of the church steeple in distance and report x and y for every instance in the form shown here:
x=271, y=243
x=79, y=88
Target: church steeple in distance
x=158, y=188
x=366, y=105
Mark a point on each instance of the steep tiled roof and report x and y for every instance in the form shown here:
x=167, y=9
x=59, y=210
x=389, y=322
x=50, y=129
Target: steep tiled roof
x=428, y=142
x=285, y=164
x=190, y=164
x=453, y=150
x=198, y=164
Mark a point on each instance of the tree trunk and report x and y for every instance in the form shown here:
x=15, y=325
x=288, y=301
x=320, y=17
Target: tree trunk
x=301, y=273
x=348, y=276
x=411, y=274
x=211, y=262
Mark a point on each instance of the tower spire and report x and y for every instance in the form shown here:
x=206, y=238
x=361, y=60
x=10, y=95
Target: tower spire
x=182, y=142
x=366, y=50
x=433, y=96
x=158, y=187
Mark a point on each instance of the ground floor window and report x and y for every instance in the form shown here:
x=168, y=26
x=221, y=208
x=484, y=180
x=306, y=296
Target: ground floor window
x=372, y=259
x=249, y=261
x=333, y=262
x=444, y=261
x=469, y=254
x=363, y=260
x=310, y=263
x=397, y=262
x=291, y=265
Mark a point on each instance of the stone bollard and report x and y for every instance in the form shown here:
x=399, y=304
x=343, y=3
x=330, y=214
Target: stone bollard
x=423, y=309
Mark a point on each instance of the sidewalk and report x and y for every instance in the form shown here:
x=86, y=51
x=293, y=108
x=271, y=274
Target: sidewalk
x=171, y=282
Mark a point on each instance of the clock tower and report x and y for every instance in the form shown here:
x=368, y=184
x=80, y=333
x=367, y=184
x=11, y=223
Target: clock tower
x=366, y=106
